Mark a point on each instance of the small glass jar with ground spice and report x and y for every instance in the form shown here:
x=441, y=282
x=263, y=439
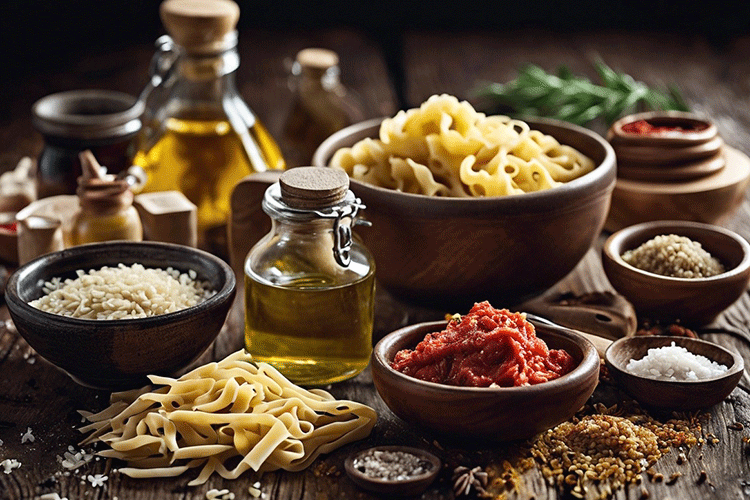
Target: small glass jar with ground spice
x=106, y=207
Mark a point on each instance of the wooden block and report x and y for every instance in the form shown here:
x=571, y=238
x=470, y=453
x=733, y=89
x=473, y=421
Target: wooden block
x=168, y=216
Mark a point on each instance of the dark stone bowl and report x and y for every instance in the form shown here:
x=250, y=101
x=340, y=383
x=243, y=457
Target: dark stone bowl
x=118, y=354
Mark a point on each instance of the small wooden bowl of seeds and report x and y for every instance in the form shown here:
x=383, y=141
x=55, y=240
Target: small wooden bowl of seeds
x=678, y=270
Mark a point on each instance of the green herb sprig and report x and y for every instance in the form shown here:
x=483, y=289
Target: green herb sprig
x=576, y=99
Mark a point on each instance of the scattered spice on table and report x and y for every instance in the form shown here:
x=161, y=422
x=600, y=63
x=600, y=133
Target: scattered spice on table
x=609, y=446
x=673, y=329
x=465, y=480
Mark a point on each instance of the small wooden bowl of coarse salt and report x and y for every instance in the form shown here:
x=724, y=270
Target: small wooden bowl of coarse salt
x=393, y=470
x=678, y=270
x=675, y=373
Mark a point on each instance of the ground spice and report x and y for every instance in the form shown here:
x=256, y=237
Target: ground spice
x=674, y=256
x=611, y=447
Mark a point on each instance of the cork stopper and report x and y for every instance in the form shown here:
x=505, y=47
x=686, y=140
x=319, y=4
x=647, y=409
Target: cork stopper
x=317, y=59
x=100, y=192
x=313, y=187
x=201, y=26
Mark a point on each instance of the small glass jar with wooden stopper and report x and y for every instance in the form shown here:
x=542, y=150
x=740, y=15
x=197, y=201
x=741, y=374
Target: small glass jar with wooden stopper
x=309, y=284
x=106, y=210
x=321, y=104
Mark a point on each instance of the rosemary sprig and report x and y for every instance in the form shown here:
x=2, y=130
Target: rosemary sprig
x=576, y=99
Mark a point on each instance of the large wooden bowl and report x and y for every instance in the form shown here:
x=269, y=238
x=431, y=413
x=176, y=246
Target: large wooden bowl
x=450, y=251
x=674, y=395
x=695, y=301
x=485, y=413
x=116, y=354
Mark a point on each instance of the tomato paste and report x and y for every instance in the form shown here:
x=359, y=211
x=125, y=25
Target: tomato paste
x=643, y=127
x=486, y=347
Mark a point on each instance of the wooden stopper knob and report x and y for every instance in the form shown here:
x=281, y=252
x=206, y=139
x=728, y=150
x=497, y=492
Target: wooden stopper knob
x=200, y=26
x=313, y=187
x=317, y=59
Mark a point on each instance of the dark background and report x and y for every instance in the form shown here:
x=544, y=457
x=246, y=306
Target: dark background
x=48, y=32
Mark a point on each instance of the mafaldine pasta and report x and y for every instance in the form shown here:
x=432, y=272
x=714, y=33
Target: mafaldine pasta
x=225, y=417
x=446, y=148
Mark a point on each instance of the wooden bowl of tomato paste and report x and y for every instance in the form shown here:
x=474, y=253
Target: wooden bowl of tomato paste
x=494, y=412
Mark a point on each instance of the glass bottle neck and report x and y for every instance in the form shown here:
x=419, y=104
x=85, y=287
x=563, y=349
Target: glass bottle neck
x=206, y=78
x=317, y=78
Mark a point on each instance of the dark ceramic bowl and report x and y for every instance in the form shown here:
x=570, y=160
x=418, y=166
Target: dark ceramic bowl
x=668, y=394
x=116, y=354
x=695, y=301
x=496, y=414
x=449, y=251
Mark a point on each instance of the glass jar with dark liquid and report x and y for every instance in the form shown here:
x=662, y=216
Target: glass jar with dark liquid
x=200, y=138
x=309, y=284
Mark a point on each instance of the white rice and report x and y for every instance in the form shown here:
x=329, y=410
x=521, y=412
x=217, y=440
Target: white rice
x=123, y=292
x=675, y=363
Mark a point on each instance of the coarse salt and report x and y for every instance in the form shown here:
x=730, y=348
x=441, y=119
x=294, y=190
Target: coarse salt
x=27, y=437
x=395, y=465
x=214, y=494
x=52, y=496
x=97, y=479
x=674, y=362
x=9, y=464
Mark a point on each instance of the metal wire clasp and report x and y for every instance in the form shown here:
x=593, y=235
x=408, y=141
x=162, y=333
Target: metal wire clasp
x=342, y=232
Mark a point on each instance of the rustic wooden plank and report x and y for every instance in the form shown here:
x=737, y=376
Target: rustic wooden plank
x=38, y=396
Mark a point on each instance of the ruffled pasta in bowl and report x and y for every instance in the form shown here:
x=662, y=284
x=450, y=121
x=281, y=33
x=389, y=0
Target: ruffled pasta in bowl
x=446, y=148
x=466, y=205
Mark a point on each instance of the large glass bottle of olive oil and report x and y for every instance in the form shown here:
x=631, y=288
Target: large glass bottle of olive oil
x=200, y=138
x=309, y=294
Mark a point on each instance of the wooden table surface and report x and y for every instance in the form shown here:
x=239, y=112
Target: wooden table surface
x=33, y=394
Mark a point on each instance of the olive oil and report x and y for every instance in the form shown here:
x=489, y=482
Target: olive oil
x=311, y=330
x=202, y=156
x=310, y=283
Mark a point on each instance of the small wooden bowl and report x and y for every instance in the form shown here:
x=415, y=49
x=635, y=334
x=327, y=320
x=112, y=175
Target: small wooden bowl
x=118, y=354
x=695, y=301
x=667, y=394
x=698, y=130
x=485, y=413
x=407, y=487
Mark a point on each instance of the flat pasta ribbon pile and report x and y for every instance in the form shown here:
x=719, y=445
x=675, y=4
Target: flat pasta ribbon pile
x=226, y=417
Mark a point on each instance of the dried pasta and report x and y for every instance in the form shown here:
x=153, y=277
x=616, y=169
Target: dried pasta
x=225, y=417
x=446, y=148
